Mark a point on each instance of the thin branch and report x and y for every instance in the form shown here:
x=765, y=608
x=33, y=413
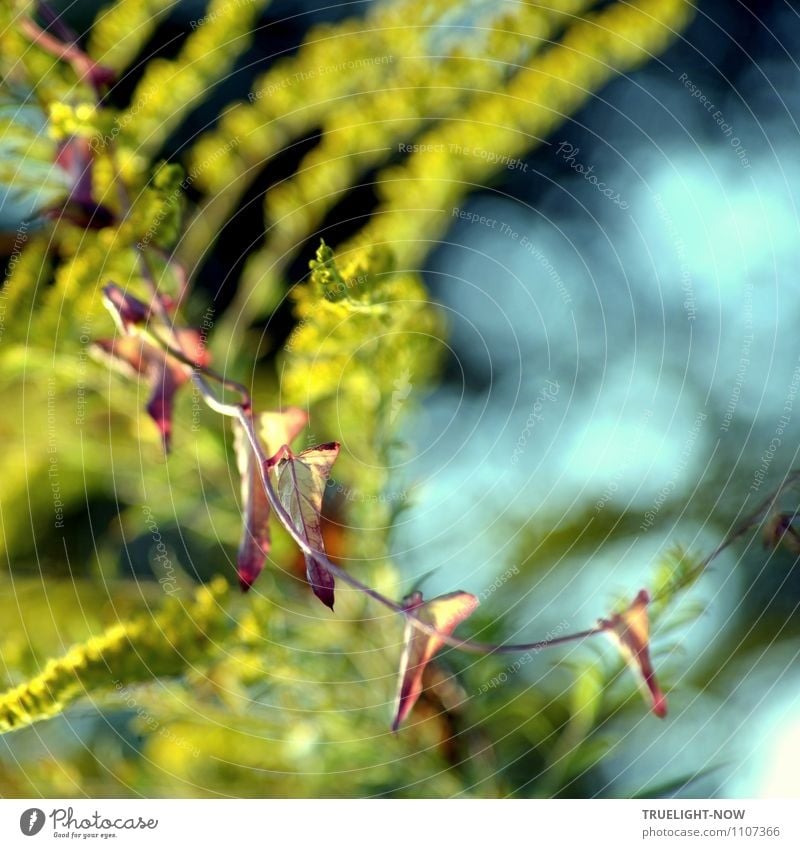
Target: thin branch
x=245, y=419
x=755, y=518
x=243, y=413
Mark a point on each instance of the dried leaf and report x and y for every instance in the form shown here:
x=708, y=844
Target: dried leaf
x=275, y=429
x=780, y=529
x=137, y=358
x=444, y=613
x=630, y=631
x=300, y=483
x=127, y=311
x=75, y=158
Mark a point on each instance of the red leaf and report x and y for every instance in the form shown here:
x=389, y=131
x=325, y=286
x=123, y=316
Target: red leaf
x=75, y=157
x=127, y=311
x=630, y=631
x=444, y=613
x=300, y=484
x=275, y=429
x=136, y=358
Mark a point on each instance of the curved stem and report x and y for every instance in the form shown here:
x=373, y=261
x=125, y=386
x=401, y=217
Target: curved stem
x=243, y=413
x=753, y=520
x=245, y=420
x=175, y=348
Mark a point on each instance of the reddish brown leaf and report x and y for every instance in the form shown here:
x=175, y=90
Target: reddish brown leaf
x=135, y=357
x=300, y=484
x=630, y=631
x=75, y=157
x=127, y=311
x=275, y=429
x=779, y=529
x=444, y=613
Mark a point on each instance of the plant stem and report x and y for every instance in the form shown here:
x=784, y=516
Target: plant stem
x=245, y=420
x=243, y=413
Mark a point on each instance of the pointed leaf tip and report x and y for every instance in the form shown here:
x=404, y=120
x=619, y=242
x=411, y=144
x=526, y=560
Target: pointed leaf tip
x=321, y=582
x=444, y=613
x=630, y=632
x=301, y=480
x=135, y=358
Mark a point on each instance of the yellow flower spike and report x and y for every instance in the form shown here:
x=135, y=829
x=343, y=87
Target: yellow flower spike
x=132, y=652
x=561, y=79
x=122, y=29
x=169, y=88
x=296, y=93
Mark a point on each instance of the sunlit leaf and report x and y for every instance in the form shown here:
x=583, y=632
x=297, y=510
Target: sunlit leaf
x=301, y=481
x=127, y=311
x=445, y=614
x=136, y=358
x=275, y=429
x=630, y=631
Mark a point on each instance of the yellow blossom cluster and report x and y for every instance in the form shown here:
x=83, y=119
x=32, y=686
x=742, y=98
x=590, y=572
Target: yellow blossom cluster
x=417, y=196
x=169, y=88
x=122, y=29
x=147, y=647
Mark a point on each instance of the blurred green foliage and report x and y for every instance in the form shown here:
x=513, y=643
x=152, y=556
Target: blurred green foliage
x=154, y=685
